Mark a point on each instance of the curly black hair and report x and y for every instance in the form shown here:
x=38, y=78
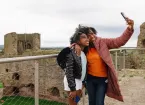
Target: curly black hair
x=76, y=36
x=80, y=30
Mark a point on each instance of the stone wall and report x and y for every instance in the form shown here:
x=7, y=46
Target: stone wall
x=50, y=78
x=18, y=77
x=10, y=44
x=141, y=37
x=16, y=44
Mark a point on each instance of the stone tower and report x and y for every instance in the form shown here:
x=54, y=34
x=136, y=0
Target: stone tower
x=141, y=37
x=16, y=44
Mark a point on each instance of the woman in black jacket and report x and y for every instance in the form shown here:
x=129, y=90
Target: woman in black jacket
x=74, y=66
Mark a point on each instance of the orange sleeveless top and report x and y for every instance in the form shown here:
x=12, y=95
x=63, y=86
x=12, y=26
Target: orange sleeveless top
x=96, y=66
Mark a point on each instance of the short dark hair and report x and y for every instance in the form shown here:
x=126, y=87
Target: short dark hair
x=76, y=36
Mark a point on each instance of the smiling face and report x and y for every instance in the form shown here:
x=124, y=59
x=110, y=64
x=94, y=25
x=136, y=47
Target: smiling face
x=83, y=40
x=91, y=35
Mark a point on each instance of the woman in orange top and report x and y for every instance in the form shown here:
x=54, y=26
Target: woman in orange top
x=97, y=75
x=101, y=75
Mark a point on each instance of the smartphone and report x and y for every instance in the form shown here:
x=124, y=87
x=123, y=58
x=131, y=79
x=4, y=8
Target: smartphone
x=77, y=99
x=125, y=17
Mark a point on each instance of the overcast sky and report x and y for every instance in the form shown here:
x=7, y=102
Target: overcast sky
x=56, y=20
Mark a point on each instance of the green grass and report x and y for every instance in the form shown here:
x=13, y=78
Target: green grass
x=19, y=100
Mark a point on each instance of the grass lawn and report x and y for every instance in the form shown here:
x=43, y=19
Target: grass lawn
x=19, y=100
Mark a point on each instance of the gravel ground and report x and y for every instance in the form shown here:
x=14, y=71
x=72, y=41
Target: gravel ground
x=132, y=84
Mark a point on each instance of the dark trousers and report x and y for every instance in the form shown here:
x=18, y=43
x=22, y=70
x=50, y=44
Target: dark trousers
x=96, y=87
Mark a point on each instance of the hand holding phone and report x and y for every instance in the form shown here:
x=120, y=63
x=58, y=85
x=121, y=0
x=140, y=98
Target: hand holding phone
x=130, y=22
x=123, y=15
x=77, y=99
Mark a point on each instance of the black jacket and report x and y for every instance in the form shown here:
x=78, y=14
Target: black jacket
x=71, y=63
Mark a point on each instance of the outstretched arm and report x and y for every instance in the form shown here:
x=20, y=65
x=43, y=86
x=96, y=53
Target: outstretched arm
x=122, y=40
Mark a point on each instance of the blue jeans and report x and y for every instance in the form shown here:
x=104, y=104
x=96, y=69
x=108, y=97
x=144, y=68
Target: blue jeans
x=96, y=87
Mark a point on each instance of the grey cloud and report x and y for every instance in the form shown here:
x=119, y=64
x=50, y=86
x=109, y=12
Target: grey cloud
x=103, y=31
x=63, y=7
x=114, y=31
x=76, y=10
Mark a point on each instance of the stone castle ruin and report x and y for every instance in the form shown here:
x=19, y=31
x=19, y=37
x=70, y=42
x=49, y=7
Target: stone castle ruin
x=18, y=77
x=141, y=37
x=16, y=44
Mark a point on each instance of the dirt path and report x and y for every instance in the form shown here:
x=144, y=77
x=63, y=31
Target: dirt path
x=133, y=90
